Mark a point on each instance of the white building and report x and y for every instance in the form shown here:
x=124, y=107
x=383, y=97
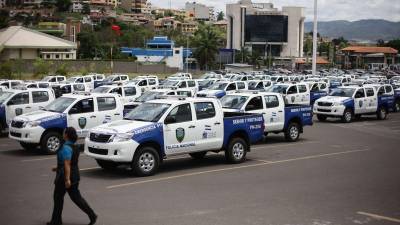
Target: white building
x=263, y=28
x=2, y=3
x=17, y=42
x=200, y=11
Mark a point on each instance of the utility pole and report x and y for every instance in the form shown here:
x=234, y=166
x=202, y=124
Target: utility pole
x=187, y=53
x=315, y=32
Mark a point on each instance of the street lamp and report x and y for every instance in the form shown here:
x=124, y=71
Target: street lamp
x=315, y=32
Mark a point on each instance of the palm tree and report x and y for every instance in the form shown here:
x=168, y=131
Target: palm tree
x=206, y=42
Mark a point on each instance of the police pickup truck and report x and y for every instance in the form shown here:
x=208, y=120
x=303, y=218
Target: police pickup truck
x=128, y=93
x=82, y=111
x=162, y=128
x=16, y=102
x=352, y=102
x=221, y=88
x=289, y=119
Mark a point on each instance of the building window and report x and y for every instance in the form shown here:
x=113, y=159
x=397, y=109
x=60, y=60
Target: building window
x=57, y=56
x=176, y=51
x=67, y=56
x=47, y=56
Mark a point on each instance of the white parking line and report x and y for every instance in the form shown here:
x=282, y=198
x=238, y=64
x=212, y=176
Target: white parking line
x=378, y=217
x=233, y=168
x=90, y=168
x=264, y=146
x=44, y=158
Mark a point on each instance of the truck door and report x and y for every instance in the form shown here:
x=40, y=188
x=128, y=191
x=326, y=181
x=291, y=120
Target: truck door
x=372, y=101
x=107, y=110
x=274, y=114
x=360, y=101
x=304, y=97
x=39, y=99
x=179, y=129
x=292, y=95
x=209, y=130
x=82, y=116
x=231, y=88
x=130, y=94
x=17, y=105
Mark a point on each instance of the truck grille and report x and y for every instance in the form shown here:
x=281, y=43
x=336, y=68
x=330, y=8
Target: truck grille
x=325, y=104
x=17, y=124
x=98, y=151
x=18, y=135
x=101, y=138
x=324, y=110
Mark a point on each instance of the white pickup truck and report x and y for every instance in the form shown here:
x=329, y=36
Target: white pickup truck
x=16, y=102
x=82, y=111
x=128, y=93
x=221, y=88
x=162, y=128
x=352, y=102
x=278, y=117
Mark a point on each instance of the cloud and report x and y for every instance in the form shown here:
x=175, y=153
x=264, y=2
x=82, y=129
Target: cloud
x=327, y=9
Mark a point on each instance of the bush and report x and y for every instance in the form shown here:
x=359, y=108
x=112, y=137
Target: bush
x=41, y=67
x=6, y=70
x=62, y=69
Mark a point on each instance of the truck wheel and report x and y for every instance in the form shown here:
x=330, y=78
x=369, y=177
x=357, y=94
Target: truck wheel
x=28, y=146
x=237, y=150
x=381, y=114
x=145, y=162
x=292, y=133
x=51, y=142
x=322, y=118
x=347, y=116
x=106, y=165
x=397, y=106
x=198, y=155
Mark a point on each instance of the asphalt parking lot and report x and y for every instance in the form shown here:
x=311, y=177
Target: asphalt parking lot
x=337, y=174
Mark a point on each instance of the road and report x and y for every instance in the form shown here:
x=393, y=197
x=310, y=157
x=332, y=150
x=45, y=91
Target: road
x=337, y=174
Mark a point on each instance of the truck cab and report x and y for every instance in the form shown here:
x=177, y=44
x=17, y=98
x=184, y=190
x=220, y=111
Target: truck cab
x=16, y=102
x=44, y=127
x=10, y=84
x=278, y=117
x=112, y=79
x=54, y=79
x=220, y=89
x=353, y=101
x=185, y=83
x=145, y=82
x=162, y=128
x=298, y=93
x=259, y=85
x=128, y=93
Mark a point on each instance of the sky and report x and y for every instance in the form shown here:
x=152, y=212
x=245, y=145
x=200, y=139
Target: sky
x=327, y=9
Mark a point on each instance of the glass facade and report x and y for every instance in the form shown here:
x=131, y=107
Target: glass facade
x=266, y=28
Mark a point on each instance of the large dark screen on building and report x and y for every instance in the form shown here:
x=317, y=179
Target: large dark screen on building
x=261, y=28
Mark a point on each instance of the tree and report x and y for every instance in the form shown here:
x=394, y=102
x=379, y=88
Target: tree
x=86, y=9
x=206, y=42
x=62, y=69
x=88, y=43
x=338, y=41
x=63, y=5
x=220, y=16
x=4, y=18
x=380, y=43
x=394, y=44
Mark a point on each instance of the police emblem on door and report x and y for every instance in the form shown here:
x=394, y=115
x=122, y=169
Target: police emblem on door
x=180, y=134
x=82, y=122
x=293, y=98
x=18, y=111
x=360, y=103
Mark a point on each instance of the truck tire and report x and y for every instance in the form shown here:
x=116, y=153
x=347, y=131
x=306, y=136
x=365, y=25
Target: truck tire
x=347, y=116
x=237, y=150
x=198, y=155
x=381, y=114
x=51, y=142
x=28, y=146
x=106, y=165
x=321, y=118
x=292, y=133
x=397, y=106
x=145, y=162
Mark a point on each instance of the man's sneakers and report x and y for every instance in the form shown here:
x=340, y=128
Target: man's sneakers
x=93, y=219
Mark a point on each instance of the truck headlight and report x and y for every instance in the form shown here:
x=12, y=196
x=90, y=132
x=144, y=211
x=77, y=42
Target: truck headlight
x=121, y=137
x=337, y=103
x=31, y=124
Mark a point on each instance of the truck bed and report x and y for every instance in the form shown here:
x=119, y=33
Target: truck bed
x=303, y=113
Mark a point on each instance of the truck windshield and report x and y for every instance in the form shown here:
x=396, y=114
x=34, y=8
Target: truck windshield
x=278, y=89
x=101, y=89
x=171, y=83
x=233, y=101
x=343, y=92
x=150, y=95
x=218, y=86
x=148, y=112
x=59, y=105
x=71, y=80
x=4, y=96
x=274, y=78
x=109, y=79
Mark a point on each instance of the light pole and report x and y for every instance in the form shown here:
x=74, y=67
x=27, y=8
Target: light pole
x=315, y=32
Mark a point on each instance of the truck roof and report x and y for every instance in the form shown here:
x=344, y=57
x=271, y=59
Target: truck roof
x=180, y=99
x=85, y=94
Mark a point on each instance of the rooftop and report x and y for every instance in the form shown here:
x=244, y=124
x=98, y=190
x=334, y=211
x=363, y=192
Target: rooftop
x=364, y=49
